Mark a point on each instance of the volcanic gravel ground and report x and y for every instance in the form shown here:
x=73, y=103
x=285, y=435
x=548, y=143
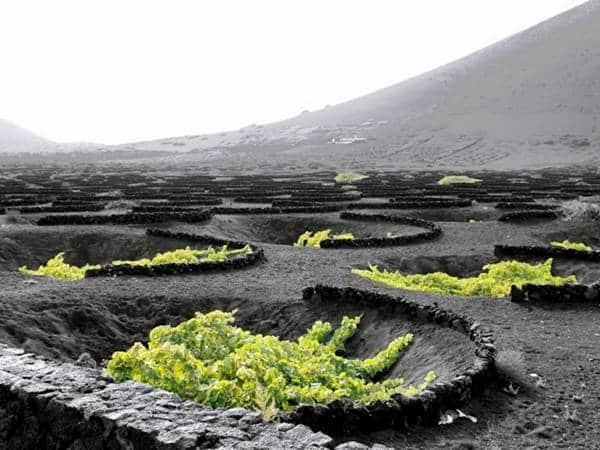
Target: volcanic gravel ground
x=548, y=392
x=558, y=408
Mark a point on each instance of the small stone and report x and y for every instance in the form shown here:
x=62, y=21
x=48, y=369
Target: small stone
x=38, y=388
x=285, y=426
x=235, y=413
x=86, y=360
x=306, y=436
x=251, y=418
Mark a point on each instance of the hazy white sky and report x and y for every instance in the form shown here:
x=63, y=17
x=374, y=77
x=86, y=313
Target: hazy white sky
x=112, y=71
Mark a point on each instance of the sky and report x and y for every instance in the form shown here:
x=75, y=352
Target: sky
x=115, y=71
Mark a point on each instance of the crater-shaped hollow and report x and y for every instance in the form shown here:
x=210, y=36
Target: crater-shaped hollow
x=82, y=245
x=462, y=266
x=480, y=213
x=284, y=229
x=113, y=324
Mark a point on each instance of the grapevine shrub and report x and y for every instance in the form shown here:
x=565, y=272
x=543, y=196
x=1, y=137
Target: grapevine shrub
x=349, y=177
x=458, y=179
x=187, y=256
x=495, y=280
x=209, y=360
x=572, y=245
x=58, y=268
x=314, y=239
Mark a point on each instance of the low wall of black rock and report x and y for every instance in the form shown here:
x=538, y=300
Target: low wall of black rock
x=200, y=238
x=304, y=199
x=525, y=251
x=200, y=202
x=556, y=295
x=318, y=209
x=345, y=416
x=518, y=216
x=166, y=209
x=411, y=205
x=234, y=263
x=126, y=219
x=427, y=204
x=433, y=232
x=284, y=210
x=91, y=207
x=288, y=202
x=499, y=198
x=526, y=206
x=15, y=203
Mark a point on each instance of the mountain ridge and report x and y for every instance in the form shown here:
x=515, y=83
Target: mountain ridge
x=531, y=100
x=528, y=101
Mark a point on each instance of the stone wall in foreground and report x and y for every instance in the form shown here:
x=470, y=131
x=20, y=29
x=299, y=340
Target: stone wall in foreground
x=49, y=404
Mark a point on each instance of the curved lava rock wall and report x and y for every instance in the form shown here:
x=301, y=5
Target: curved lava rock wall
x=276, y=210
x=528, y=215
x=555, y=295
x=547, y=252
x=124, y=219
x=401, y=411
x=433, y=231
x=111, y=270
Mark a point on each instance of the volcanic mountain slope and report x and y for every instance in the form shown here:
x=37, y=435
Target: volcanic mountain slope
x=532, y=100
x=14, y=139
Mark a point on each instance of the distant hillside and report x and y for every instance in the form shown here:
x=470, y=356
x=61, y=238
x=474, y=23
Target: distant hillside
x=14, y=139
x=532, y=100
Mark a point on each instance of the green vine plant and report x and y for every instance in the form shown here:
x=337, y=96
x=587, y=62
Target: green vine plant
x=209, y=360
x=314, y=238
x=458, y=179
x=566, y=244
x=59, y=269
x=495, y=280
x=349, y=177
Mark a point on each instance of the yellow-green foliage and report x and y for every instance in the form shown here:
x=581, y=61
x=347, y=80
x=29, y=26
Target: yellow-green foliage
x=349, y=177
x=209, y=360
x=58, y=268
x=188, y=255
x=314, y=239
x=343, y=236
x=458, y=179
x=495, y=281
x=572, y=245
